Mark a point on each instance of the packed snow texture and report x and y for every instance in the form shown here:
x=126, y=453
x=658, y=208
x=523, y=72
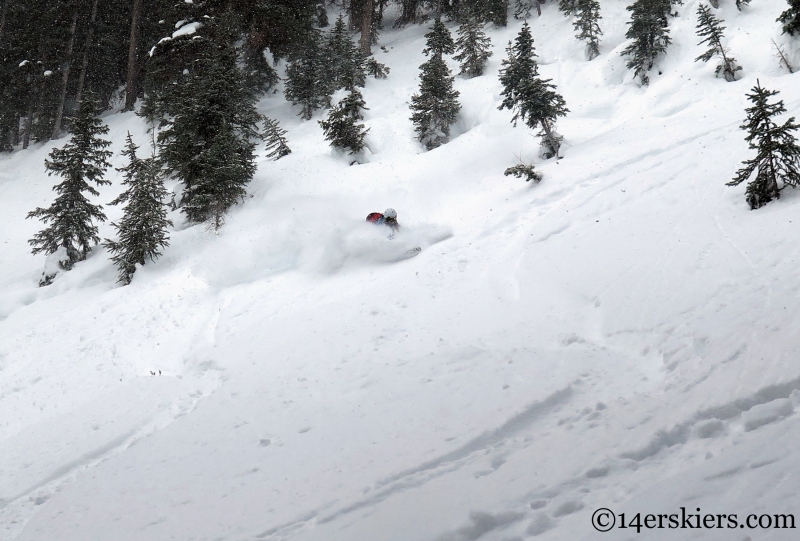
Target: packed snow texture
x=622, y=335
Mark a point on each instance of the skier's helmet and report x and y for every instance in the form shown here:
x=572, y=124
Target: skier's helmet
x=390, y=213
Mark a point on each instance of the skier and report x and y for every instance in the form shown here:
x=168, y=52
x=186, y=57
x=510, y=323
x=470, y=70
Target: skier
x=388, y=218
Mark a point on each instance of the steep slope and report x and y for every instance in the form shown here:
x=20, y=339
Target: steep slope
x=619, y=336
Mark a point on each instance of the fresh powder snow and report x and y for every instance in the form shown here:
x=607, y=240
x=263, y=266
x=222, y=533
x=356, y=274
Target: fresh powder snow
x=622, y=335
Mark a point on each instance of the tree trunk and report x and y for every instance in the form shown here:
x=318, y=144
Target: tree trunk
x=85, y=61
x=352, y=14
x=551, y=142
x=3, y=18
x=15, y=130
x=26, y=133
x=39, y=112
x=409, y=14
x=381, y=9
x=132, y=82
x=366, y=26
x=65, y=76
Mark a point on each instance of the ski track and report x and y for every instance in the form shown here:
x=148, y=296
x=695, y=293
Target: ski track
x=518, y=434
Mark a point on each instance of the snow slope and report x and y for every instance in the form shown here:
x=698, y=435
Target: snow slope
x=622, y=335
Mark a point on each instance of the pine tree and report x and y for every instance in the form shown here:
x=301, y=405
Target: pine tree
x=309, y=81
x=351, y=71
x=322, y=15
x=777, y=163
x=708, y=27
x=532, y=99
x=473, y=47
x=524, y=170
x=791, y=18
x=343, y=59
x=648, y=29
x=588, y=29
x=540, y=105
x=781, y=55
x=207, y=141
x=409, y=13
x=142, y=231
x=260, y=76
x=498, y=12
x=439, y=40
x=376, y=69
x=567, y=7
x=519, y=68
x=130, y=43
x=82, y=162
x=488, y=11
x=341, y=127
x=522, y=9
x=275, y=137
x=435, y=108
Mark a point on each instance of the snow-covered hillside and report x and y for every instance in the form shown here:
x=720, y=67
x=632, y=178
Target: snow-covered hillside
x=622, y=335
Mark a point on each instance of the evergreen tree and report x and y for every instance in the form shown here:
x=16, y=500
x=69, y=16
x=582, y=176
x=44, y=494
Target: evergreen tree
x=322, y=15
x=275, y=137
x=439, y=40
x=82, y=162
x=435, y=108
x=497, y=12
x=409, y=13
x=531, y=98
x=540, y=105
x=342, y=128
x=650, y=35
x=522, y=9
x=278, y=25
x=143, y=229
x=587, y=26
x=343, y=59
x=519, y=68
x=524, y=170
x=791, y=18
x=777, y=162
x=567, y=7
x=207, y=141
x=51, y=51
x=260, y=76
x=488, y=11
x=708, y=27
x=781, y=55
x=323, y=65
x=473, y=47
x=376, y=69
x=309, y=81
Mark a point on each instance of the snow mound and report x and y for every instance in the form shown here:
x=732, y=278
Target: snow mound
x=763, y=414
